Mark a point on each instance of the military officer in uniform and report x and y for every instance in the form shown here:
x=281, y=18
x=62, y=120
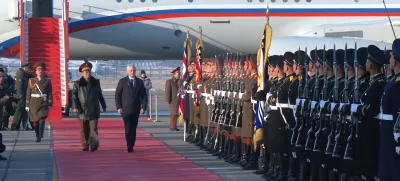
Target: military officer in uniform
x=8, y=109
x=21, y=84
x=248, y=114
x=86, y=96
x=39, y=99
x=367, y=145
x=172, y=97
x=389, y=160
x=189, y=102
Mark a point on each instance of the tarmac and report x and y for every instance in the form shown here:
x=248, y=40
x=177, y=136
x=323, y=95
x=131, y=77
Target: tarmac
x=31, y=161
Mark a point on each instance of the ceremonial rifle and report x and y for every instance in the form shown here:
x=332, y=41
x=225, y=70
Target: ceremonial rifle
x=331, y=137
x=319, y=142
x=235, y=87
x=241, y=92
x=215, y=94
x=340, y=136
x=311, y=132
x=349, y=151
x=209, y=98
x=296, y=111
x=230, y=89
x=221, y=92
x=301, y=139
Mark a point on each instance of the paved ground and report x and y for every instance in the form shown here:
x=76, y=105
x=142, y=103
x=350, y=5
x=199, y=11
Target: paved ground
x=31, y=161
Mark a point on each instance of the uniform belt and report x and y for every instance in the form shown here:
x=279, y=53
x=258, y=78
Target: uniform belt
x=38, y=95
x=190, y=92
x=204, y=94
x=253, y=101
x=273, y=107
x=386, y=117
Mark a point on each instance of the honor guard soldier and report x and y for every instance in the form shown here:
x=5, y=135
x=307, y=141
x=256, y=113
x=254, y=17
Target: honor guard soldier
x=248, y=115
x=39, y=99
x=389, y=74
x=279, y=119
x=214, y=103
x=219, y=103
x=203, y=87
x=367, y=143
x=172, y=97
x=189, y=101
x=267, y=96
x=389, y=160
x=209, y=97
x=22, y=76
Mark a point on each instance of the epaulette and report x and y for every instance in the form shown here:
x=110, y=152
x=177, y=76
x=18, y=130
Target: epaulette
x=380, y=79
x=398, y=79
x=291, y=78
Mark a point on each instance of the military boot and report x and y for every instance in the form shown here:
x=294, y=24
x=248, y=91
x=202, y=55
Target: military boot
x=273, y=173
x=284, y=168
x=261, y=161
x=201, y=137
x=294, y=167
x=322, y=174
x=304, y=172
x=333, y=175
x=343, y=177
x=37, y=132
x=41, y=129
x=221, y=146
x=216, y=143
x=225, y=148
x=243, y=151
x=252, y=165
x=234, y=152
x=230, y=150
x=196, y=135
x=238, y=152
x=271, y=164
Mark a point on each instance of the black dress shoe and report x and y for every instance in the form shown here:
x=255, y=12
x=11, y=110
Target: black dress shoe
x=2, y=158
x=130, y=149
x=38, y=139
x=85, y=149
x=93, y=149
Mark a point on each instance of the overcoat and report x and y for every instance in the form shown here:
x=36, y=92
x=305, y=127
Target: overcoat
x=39, y=106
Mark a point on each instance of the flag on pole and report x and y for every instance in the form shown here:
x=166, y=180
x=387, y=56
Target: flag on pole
x=199, y=52
x=186, y=58
x=261, y=61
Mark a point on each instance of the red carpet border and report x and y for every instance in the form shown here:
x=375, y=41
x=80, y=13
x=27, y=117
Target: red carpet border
x=151, y=161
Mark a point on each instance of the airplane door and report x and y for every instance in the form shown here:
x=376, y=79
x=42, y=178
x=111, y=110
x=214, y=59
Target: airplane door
x=42, y=8
x=13, y=7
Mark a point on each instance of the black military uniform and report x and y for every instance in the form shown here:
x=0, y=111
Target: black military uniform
x=367, y=145
x=8, y=86
x=389, y=160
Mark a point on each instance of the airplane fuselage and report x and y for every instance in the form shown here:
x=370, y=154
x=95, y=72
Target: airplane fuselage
x=156, y=29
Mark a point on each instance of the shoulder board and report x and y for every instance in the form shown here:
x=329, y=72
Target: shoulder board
x=380, y=79
x=362, y=81
x=291, y=78
x=398, y=79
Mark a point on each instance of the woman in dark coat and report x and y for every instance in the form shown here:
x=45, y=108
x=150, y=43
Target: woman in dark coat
x=39, y=99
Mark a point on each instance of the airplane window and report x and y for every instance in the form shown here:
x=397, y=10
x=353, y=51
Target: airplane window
x=249, y=1
x=273, y=1
x=296, y=1
x=118, y=1
x=285, y=1
x=190, y=1
x=154, y=1
x=142, y=1
x=308, y=1
x=130, y=1
x=261, y=0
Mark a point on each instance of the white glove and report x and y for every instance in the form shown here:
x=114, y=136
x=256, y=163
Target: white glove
x=240, y=95
x=27, y=109
x=396, y=136
x=398, y=150
x=199, y=85
x=313, y=103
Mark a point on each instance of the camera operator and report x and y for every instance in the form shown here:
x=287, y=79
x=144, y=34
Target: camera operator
x=4, y=98
x=9, y=88
x=21, y=84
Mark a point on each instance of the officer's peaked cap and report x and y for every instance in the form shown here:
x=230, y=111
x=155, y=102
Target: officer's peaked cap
x=375, y=55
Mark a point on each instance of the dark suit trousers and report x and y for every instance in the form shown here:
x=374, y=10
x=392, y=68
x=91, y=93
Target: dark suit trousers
x=89, y=133
x=130, y=123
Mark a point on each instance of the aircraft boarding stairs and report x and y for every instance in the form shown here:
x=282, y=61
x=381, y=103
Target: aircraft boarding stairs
x=46, y=40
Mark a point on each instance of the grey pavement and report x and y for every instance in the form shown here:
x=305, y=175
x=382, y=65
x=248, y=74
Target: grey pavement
x=27, y=160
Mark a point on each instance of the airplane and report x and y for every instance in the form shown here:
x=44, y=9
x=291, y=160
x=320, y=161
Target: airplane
x=156, y=29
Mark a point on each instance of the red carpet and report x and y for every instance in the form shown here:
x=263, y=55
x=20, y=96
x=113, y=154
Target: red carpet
x=151, y=161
